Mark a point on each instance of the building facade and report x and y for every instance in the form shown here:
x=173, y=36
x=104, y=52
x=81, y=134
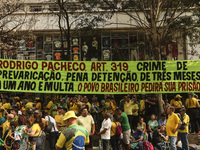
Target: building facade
x=116, y=39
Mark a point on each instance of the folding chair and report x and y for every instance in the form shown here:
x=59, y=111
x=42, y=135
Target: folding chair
x=166, y=146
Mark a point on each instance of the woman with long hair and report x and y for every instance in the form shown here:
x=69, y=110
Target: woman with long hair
x=34, y=131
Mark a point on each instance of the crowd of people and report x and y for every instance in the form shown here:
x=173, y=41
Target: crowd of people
x=72, y=122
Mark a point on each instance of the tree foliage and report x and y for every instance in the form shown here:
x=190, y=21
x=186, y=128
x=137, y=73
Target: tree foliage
x=160, y=20
x=11, y=23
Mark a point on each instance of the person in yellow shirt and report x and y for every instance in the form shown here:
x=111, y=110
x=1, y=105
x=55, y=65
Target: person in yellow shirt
x=128, y=109
x=6, y=124
x=142, y=107
x=5, y=106
x=38, y=103
x=110, y=105
x=29, y=105
x=173, y=100
x=87, y=121
x=86, y=102
x=74, y=105
x=177, y=103
x=184, y=129
x=74, y=136
x=113, y=137
x=63, y=125
x=17, y=102
x=34, y=131
x=192, y=105
x=58, y=118
x=23, y=108
x=114, y=102
x=49, y=105
x=172, y=126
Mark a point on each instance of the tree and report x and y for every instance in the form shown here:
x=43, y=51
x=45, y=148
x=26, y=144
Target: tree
x=75, y=15
x=10, y=23
x=159, y=20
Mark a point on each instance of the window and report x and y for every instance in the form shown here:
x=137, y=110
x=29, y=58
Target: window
x=53, y=8
x=35, y=8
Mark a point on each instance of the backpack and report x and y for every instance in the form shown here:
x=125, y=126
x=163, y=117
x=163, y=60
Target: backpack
x=147, y=145
x=118, y=129
x=193, y=147
x=50, y=125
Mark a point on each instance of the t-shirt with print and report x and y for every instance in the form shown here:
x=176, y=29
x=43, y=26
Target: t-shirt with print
x=30, y=43
x=87, y=122
x=124, y=122
x=48, y=57
x=186, y=120
x=58, y=119
x=75, y=50
x=57, y=56
x=110, y=106
x=73, y=137
x=51, y=119
x=106, y=124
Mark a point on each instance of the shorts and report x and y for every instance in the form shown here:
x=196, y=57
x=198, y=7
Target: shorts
x=90, y=145
x=126, y=136
x=53, y=137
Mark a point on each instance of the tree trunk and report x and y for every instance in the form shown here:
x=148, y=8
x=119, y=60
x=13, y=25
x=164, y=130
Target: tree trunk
x=157, y=57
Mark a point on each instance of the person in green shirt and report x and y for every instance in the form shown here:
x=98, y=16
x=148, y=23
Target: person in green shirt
x=63, y=103
x=152, y=126
x=126, y=130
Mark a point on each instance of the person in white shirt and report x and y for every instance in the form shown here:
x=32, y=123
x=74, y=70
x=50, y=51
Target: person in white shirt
x=54, y=134
x=105, y=131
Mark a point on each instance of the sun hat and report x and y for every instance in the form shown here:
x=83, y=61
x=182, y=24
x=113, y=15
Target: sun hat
x=69, y=114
